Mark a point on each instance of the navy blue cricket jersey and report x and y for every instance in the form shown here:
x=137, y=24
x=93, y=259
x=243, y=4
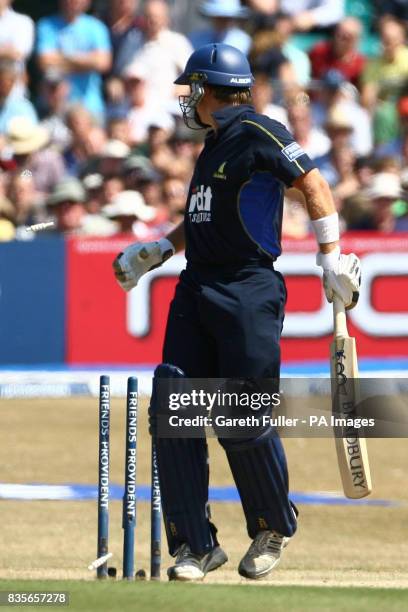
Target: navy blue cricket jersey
x=235, y=201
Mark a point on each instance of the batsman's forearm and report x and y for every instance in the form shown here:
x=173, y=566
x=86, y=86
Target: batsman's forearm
x=177, y=238
x=318, y=199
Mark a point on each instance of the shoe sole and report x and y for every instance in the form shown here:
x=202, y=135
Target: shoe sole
x=214, y=562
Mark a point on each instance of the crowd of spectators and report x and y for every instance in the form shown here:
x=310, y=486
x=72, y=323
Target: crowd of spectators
x=91, y=134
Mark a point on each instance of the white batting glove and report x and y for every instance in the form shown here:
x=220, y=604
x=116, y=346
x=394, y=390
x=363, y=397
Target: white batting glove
x=341, y=275
x=137, y=259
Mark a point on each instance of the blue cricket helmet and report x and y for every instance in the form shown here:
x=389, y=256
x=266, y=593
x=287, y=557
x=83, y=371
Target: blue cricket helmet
x=217, y=64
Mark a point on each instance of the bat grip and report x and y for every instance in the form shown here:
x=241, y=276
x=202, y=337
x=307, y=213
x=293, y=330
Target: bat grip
x=339, y=317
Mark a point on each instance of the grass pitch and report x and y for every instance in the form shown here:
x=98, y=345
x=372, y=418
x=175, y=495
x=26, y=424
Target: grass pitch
x=172, y=597
x=357, y=548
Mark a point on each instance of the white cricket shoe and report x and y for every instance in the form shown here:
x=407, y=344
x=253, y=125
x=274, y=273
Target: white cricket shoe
x=189, y=566
x=263, y=554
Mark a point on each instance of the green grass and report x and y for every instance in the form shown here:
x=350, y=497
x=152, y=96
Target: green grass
x=178, y=597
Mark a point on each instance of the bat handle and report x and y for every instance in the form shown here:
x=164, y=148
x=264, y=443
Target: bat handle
x=339, y=317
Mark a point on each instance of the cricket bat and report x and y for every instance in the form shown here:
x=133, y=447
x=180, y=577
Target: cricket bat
x=351, y=447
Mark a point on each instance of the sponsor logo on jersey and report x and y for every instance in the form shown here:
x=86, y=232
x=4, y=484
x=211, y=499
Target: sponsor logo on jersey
x=220, y=172
x=240, y=80
x=293, y=151
x=199, y=207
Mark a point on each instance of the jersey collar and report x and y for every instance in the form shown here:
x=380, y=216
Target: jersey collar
x=227, y=115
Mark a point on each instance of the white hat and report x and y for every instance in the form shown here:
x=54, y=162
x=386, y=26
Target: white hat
x=7, y=230
x=115, y=149
x=92, y=181
x=224, y=8
x=129, y=203
x=162, y=120
x=25, y=136
x=338, y=118
x=69, y=189
x=384, y=185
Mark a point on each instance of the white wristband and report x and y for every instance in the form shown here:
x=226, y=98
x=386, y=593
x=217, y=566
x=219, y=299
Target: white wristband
x=166, y=246
x=327, y=229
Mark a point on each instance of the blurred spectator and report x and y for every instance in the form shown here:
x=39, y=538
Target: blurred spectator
x=7, y=212
x=175, y=194
x=110, y=167
x=115, y=96
x=224, y=17
x=387, y=125
x=94, y=195
x=383, y=80
x=186, y=144
x=363, y=169
x=403, y=141
x=163, y=55
x=78, y=45
x=334, y=91
x=394, y=8
x=55, y=92
x=339, y=129
x=117, y=128
x=381, y=204
x=140, y=113
x=262, y=96
x=111, y=186
x=27, y=201
x=340, y=52
x=143, y=111
x=383, y=192
x=397, y=141
x=340, y=174
x=7, y=229
x=4, y=182
x=267, y=7
x=384, y=75
x=88, y=140
x=151, y=190
x=312, y=140
x=67, y=203
x=140, y=175
x=112, y=157
x=273, y=52
x=388, y=164
x=298, y=59
x=356, y=213
x=134, y=169
x=13, y=103
x=126, y=33
x=30, y=144
x=133, y=147
x=130, y=213
x=16, y=36
x=310, y=14
x=267, y=56
x=163, y=154
x=138, y=169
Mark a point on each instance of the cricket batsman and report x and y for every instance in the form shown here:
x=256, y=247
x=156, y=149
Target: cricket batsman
x=226, y=317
